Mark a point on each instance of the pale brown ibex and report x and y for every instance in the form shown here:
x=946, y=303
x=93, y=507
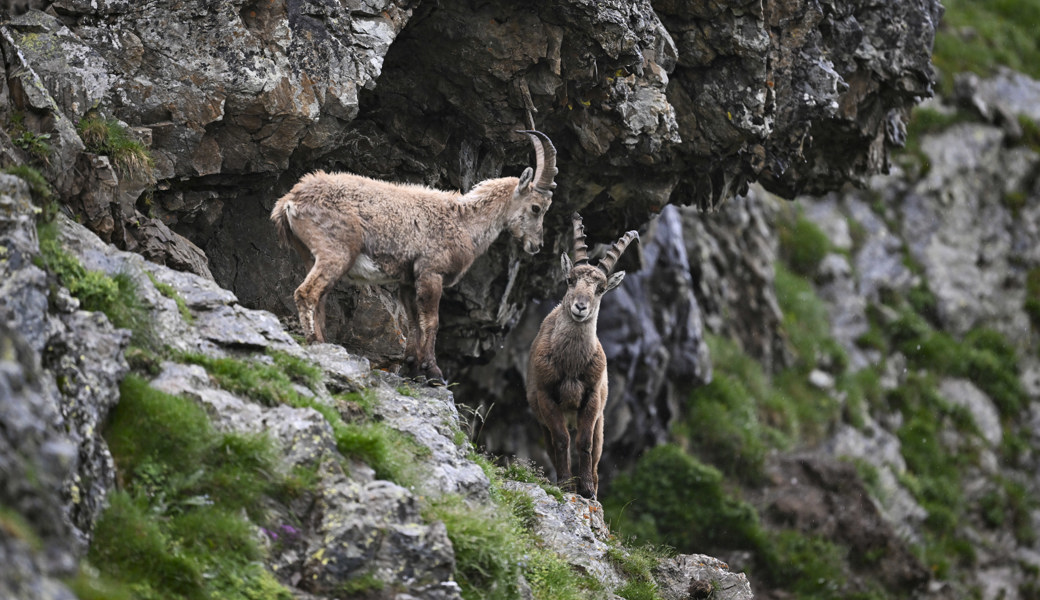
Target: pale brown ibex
x=424, y=239
x=567, y=373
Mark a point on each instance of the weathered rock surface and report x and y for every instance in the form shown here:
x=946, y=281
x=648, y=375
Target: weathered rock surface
x=61, y=371
x=964, y=210
x=826, y=497
x=649, y=103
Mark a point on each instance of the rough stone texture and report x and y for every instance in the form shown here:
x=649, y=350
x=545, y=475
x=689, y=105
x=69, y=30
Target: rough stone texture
x=823, y=496
x=964, y=210
x=964, y=393
x=578, y=526
x=60, y=373
x=694, y=576
x=648, y=102
x=881, y=449
x=962, y=233
x=731, y=257
x=432, y=420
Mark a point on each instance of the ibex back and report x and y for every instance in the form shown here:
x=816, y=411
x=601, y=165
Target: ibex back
x=376, y=232
x=567, y=373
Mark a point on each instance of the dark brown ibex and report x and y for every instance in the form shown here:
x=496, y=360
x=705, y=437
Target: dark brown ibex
x=567, y=373
x=376, y=232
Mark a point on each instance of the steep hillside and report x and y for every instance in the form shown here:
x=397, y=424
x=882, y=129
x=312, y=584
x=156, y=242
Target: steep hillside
x=197, y=451
x=165, y=436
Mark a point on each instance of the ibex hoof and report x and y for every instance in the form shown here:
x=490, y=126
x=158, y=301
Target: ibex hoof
x=589, y=494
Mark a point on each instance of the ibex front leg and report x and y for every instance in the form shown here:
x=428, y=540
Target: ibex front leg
x=589, y=443
x=428, y=299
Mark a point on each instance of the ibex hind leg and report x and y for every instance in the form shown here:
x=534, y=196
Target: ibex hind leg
x=411, y=365
x=310, y=296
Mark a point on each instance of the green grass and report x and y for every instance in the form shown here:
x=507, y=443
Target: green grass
x=806, y=323
x=671, y=498
x=109, y=137
x=637, y=565
x=36, y=145
x=984, y=357
x=802, y=244
x=270, y=384
x=978, y=36
x=184, y=523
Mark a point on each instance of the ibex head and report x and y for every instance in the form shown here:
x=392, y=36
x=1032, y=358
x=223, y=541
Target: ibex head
x=533, y=194
x=586, y=284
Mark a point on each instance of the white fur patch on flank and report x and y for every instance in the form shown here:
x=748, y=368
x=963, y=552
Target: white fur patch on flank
x=365, y=270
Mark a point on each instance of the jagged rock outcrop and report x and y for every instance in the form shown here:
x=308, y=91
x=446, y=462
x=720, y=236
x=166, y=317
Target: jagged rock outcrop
x=64, y=365
x=649, y=103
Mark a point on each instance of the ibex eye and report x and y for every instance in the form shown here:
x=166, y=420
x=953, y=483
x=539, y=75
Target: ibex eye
x=536, y=209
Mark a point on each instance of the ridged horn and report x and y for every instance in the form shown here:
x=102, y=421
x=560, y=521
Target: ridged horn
x=616, y=250
x=545, y=160
x=581, y=251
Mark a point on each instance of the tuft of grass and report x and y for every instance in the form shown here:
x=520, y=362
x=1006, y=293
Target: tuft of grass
x=807, y=324
x=671, y=498
x=109, y=137
x=268, y=384
x=34, y=144
x=525, y=471
x=803, y=245
x=984, y=356
x=808, y=565
x=487, y=545
x=637, y=565
x=40, y=189
x=979, y=36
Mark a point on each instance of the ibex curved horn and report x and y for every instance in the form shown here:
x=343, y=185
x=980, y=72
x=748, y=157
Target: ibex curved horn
x=616, y=249
x=581, y=251
x=545, y=156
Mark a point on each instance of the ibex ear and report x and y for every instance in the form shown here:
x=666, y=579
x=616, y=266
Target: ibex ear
x=614, y=281
x=525, y=179
x=565, y=262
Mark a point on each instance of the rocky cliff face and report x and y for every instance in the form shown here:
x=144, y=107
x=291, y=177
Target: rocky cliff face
x=648, y=103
